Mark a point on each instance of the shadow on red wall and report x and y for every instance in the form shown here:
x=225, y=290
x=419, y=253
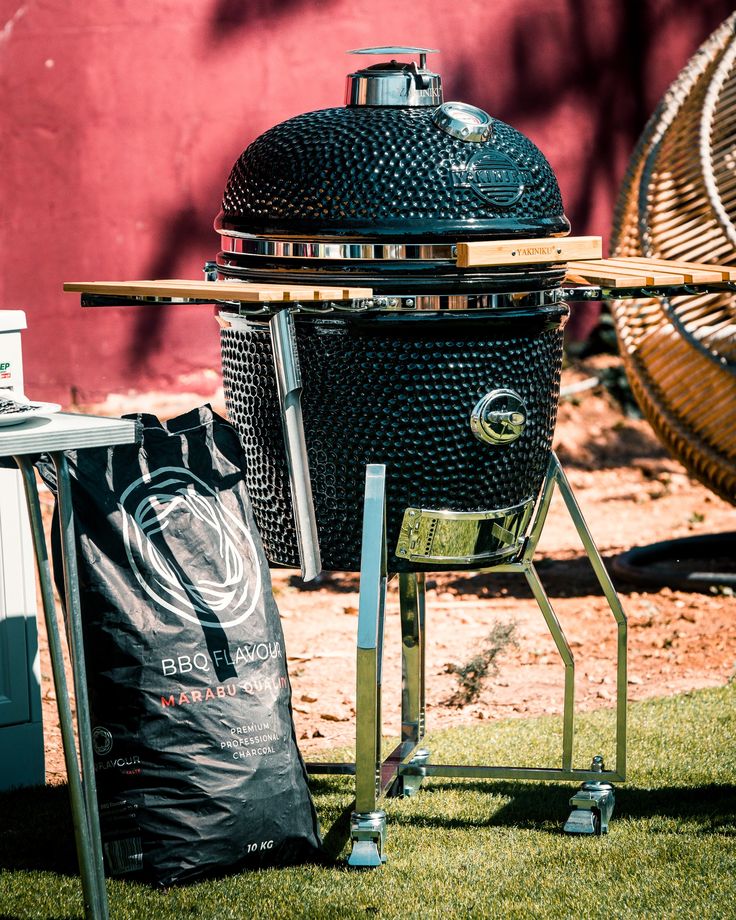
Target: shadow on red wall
x=160, y=102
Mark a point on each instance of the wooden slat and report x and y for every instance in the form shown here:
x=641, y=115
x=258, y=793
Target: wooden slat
x=668, y=274
x=270, y=292
x=244, y=291
x=288, y=291
x=528, y=251
x=660, y=272
x=688, y=274
x=621, y=267
x=606, y=277
x=693, y=269
x=247, y=294
x=301, y=291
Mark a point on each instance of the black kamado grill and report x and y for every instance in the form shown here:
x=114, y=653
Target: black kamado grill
x=410, y=428
x=390, y=295
x=450, y=375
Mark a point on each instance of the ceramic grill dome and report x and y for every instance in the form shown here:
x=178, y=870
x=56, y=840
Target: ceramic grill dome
x=377, y=172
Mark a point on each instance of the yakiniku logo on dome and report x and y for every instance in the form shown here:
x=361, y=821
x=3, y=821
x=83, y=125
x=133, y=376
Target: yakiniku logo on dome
x=219, y=585
x=494, y=177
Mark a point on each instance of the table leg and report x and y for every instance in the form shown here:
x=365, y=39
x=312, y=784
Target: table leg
x=90, y=858
x=79, y=672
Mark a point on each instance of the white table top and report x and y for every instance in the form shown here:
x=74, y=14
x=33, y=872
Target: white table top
x=65, y=431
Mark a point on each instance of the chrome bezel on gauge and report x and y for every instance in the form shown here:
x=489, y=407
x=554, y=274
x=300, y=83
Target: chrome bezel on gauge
x=464, y=122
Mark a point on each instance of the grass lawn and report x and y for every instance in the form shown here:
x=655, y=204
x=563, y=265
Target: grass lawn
x=463, y=848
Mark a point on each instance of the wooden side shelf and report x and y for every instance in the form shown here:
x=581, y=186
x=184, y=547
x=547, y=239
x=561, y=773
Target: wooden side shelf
x=638, y=272
x=242, y=291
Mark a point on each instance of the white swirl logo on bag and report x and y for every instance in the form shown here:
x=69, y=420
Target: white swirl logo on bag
x=175, y=525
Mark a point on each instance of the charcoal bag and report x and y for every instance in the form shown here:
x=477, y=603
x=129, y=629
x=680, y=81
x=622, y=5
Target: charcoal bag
x=197, y=766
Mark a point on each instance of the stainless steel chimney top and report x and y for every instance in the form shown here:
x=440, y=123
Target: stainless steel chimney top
x=393, y=83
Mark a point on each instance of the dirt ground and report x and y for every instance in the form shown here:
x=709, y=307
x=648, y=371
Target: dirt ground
x=631, y=493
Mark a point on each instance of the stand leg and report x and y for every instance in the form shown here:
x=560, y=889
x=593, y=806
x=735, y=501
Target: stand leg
x=88, y=851
x=368, y=823
x=563, y=648
x=412, y=609
x=592, y=805
x=616, y=609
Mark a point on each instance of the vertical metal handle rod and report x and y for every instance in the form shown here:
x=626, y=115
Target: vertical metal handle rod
x=370, y=642
x=289, y=386
x=622, y=684
x=79, y=673
x=95, y=903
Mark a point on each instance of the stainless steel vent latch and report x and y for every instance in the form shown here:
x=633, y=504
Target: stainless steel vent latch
x=499, y=417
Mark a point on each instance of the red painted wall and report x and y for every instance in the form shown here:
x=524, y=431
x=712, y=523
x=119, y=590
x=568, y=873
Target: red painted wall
x=120, y=121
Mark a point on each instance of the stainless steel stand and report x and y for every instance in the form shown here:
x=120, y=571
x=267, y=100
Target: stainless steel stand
x=402, y=772
x=54, y=435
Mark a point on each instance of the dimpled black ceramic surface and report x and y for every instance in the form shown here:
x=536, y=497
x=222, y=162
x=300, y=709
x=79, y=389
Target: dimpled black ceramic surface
x=398, y=391
x=377, y=171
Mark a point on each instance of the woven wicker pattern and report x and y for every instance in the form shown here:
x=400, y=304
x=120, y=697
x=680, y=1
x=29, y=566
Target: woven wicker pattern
x=678, y=201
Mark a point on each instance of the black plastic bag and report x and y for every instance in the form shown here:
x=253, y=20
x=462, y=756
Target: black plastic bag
x=197, y=765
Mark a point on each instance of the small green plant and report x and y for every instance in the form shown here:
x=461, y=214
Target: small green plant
x=471, y=675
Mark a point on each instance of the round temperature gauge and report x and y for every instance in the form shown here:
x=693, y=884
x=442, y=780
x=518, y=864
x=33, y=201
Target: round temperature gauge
x=463, y=121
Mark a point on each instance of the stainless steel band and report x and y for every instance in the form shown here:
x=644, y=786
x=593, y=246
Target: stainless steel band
x=252, y=245
x=437, y=303
x=394, y=88
x=440, y=303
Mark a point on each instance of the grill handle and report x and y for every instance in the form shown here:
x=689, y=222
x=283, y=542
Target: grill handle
x=289, y=384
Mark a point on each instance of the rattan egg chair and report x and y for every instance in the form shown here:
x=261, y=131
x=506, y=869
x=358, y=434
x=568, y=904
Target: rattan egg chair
x=678, y=202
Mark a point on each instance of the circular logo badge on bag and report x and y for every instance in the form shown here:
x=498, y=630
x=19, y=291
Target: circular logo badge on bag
x=189, y=552
x=101, y=740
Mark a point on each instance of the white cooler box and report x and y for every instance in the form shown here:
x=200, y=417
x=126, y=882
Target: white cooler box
x=21, y=730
